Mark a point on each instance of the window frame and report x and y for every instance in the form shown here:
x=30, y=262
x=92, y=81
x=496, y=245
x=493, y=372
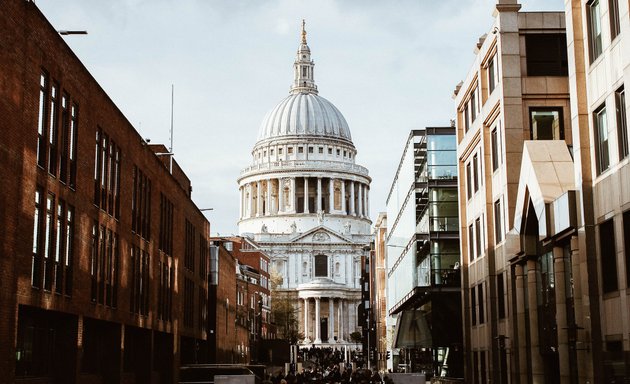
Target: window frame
x=558, y=109
x=594, y=22
x=602, y=148
x=622, y=122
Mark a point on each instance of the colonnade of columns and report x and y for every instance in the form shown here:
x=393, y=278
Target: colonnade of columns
x=304, y=195
x=338, y=320
x=529, y=360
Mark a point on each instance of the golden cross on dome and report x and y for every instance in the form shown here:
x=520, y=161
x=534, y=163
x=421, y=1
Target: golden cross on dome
x=303, y=31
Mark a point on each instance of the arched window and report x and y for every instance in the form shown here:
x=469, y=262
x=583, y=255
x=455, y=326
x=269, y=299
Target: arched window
x=321, y=266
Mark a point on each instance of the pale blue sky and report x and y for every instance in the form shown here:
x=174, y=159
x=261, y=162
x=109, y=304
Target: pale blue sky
x=388, y=66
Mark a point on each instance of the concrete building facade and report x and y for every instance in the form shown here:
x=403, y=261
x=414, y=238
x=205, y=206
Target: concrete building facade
x=542, y=147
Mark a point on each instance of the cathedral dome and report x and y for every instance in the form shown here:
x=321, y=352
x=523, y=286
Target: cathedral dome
x=304, y=113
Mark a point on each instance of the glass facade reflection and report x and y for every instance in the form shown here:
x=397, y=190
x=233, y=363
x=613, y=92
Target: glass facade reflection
x=423, y=255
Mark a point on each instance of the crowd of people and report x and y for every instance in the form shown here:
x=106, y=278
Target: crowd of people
x=328, y=375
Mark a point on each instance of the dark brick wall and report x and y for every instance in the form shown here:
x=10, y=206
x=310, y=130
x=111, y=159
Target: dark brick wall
x=29, y=44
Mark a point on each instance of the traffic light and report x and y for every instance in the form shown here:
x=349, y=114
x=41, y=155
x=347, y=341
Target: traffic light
x=387, y=355
x=371, y=355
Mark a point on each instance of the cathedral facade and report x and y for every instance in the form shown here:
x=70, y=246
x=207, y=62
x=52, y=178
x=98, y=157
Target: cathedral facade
x=306, y=203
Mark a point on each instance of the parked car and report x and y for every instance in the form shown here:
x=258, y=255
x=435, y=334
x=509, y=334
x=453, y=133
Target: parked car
x=205, y=373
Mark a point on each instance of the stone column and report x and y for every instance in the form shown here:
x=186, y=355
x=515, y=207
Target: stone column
x=279, y=197
x=240, y=205
x=521, y=334
x=535, y=357
x=352, y=210
x=341, y=322
x=306, y=208
x=319, y=194
x=331, y=319
x=331, y=195
x=343, y=197
x=269, y=205
x=561, y=315
x=259, y=203
x=250, y=200
x=317, y=321
x=293, y=195
x=306, y=330
x=360, y=212
x=366, y=194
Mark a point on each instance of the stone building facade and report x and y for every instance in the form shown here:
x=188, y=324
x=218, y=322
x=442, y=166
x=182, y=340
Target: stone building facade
x=305, y=201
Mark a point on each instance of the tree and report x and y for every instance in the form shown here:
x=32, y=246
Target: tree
x=284, y=313
x=356, y=337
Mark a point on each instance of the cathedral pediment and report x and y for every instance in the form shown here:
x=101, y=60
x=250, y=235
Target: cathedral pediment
x=321, y=235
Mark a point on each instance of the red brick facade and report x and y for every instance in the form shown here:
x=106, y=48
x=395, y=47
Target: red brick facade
x=104, y=257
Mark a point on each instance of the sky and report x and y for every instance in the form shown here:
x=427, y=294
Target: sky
x=388, y=66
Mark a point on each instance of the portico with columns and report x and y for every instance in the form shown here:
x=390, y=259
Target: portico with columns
x=305, y=200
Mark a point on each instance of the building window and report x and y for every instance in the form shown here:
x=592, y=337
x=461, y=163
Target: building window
x=165, y=290
x=321, y=150
x=290, y=150
x=613, y=13
x=107, y=174
x=601, y=139
x=104, y=261
x=608, y=256
x=626, y=243
x=271, y=152
x=279, y=151
x=493, y=75
x=189, y=247
x=49, y=233
x=594, y=29
x=478, y=247
x=330, y=151
x=501, y=295
x=53, y=134
x=546, y=54
x=468, y=181
x=300, y=149
x=622, y=122
x=321, y=266
x=189, y=303
x=498, y=221
x=473, y=305
x=476, y=172
x=546, y=123
x=141, y=204
x=496, y=148
x=166, y=225
x=471, y=246
x=41, y=120
x=480, y=299
x=473, y=105
x=466, y=118
x=139, y=264
x=203, y=257
x=338, y=152
x=38, y=226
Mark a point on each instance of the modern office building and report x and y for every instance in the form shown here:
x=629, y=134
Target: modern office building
x=103, y=253
x=423, y=257
x=542, y=148
x=305, y=202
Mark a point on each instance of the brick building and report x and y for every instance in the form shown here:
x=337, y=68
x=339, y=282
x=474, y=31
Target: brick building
x=103, y=254
x=252, y=298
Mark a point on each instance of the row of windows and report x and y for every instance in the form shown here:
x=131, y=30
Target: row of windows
x=141, y=204
x=475, y=239
x=107, y=174
x=602, y=132
x=57, y=125
x=165, y=289
x=595, y=38
x=166, y=225
x=608, y=253
x=474, y=175
x=139, y=266
x=104, y=262
x=53, y=244
x=300, y=150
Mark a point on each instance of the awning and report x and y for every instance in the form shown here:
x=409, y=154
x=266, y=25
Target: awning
x=412, y=330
